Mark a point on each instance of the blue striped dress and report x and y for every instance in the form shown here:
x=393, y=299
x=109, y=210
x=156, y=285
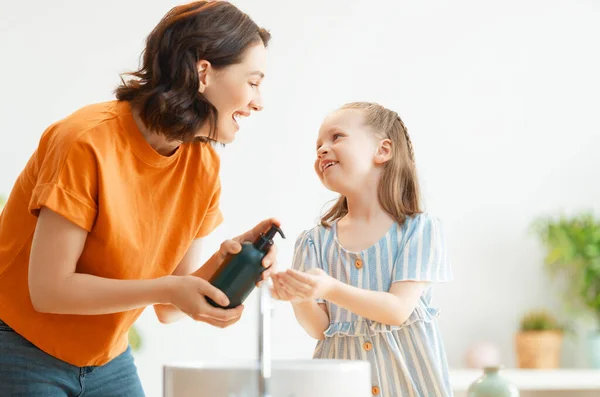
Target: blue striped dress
x=407, y=360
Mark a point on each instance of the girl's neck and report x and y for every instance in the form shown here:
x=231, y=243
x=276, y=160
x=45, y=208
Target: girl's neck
x=364, y=224
x=364, y=208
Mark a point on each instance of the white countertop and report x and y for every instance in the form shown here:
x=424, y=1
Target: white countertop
x=534, y=379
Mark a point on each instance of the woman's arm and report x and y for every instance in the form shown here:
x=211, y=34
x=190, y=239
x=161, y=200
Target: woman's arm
x=190, y=263
x=191, y=260
x=55, y=287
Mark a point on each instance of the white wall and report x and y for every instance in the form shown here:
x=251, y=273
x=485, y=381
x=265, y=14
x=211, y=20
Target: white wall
x=501, y=100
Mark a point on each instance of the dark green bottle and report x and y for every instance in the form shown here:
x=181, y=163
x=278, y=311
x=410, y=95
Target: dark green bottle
x=238, y=275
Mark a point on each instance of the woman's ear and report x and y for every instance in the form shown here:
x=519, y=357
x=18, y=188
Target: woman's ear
x=203, y=71
x=384, y=151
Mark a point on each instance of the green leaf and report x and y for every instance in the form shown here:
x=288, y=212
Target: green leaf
x=592, y=250
x=572, y=245
x=135, y=339
x=539, y=320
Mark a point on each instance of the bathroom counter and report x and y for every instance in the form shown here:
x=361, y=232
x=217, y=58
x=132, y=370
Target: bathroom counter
x=535, y=380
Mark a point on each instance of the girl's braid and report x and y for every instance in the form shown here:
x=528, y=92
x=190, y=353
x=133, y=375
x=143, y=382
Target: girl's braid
x=408, y=142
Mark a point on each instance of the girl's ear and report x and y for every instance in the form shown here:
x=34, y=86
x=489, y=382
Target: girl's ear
x=384, y=151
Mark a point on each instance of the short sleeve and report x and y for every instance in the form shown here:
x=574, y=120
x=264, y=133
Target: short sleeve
x=305, y=255
x=423, y=254
x=214, y=216
x=67, y=182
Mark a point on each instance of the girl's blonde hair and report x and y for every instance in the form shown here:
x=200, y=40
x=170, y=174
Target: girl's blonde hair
x=399, y=193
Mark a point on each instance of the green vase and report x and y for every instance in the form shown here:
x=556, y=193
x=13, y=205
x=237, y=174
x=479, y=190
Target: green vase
x=492, y=384
x=594, y=350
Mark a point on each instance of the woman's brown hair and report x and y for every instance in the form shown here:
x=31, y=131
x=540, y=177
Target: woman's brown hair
x=165, y=88
x=399, y=193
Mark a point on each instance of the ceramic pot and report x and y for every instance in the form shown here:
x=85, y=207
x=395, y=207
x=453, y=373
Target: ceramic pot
x=594, y=350
x=538, y=349
x=492, y=384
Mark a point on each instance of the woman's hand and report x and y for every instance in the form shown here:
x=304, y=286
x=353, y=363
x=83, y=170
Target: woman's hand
x=187, y=293
x=234, y=246
x=295, y=286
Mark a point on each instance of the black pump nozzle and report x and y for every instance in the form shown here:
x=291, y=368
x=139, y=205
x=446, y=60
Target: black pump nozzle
x=265, y=241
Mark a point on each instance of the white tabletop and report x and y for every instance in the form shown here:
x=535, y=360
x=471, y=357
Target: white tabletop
x=532, y=379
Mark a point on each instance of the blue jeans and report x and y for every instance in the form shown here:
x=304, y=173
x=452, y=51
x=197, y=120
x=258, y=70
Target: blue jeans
x=26, y=371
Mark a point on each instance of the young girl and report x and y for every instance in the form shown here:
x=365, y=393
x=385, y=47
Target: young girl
x=361, y=281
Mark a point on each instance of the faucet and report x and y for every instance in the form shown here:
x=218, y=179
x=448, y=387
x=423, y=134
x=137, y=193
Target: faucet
x=265, y=313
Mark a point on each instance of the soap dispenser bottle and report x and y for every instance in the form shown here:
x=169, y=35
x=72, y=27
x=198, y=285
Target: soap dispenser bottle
x=238, y=274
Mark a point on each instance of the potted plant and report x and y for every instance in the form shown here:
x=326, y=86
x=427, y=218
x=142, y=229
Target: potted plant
x=135, y=339
x=539, y=341
x=573, y=257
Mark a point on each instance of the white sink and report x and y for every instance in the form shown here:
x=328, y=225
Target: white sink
x=289, y=378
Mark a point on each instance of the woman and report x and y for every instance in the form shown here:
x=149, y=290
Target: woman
x=109, y=213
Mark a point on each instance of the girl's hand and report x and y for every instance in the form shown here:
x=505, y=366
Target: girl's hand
x=279, y=292
x=296, y=286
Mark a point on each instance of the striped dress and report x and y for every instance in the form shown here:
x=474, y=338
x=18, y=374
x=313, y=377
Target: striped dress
x=407, y=360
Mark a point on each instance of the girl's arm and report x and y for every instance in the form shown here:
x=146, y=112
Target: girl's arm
x=313, y=317
x=393, y=307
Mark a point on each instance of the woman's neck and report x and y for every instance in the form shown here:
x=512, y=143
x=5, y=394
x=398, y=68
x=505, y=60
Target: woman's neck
x=158, y=142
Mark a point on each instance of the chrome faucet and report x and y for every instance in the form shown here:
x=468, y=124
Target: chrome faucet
x=264, y=340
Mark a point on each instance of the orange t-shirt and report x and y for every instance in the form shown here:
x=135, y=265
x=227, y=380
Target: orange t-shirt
x=142, y=211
